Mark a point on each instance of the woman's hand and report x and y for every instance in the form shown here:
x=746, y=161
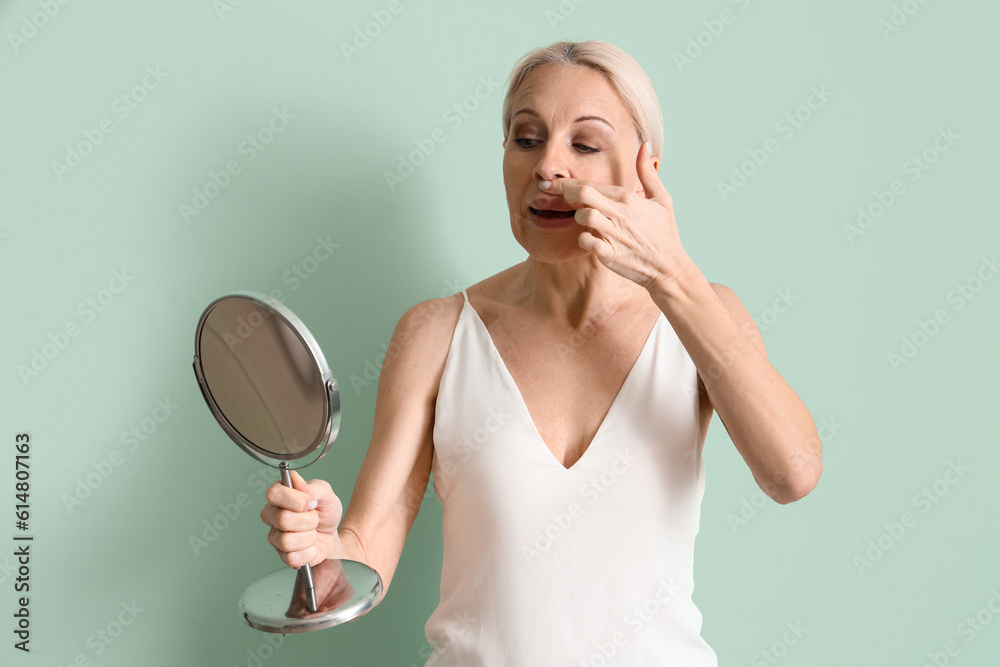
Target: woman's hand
x=633, y=235
x=303, y=521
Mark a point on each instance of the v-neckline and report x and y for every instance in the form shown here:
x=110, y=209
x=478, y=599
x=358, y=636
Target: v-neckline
x=524, y=406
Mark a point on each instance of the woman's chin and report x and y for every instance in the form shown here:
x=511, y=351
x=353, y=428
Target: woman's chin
x=549, y=245
x=552, y=250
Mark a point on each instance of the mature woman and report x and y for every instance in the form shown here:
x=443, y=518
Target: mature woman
x=562, y=404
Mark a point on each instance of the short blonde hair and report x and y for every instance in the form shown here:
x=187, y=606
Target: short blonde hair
x=622, y=71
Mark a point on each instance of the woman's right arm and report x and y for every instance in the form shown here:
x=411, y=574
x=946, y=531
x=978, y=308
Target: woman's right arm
x=394, y=474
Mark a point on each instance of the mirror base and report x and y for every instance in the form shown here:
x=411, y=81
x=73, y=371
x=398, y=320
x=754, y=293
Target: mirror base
x=345, y=589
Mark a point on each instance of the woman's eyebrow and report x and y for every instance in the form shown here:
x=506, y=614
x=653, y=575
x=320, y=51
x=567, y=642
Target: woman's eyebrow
x=531, y=112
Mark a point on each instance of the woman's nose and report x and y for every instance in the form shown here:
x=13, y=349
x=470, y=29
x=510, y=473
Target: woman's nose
x=552, y=163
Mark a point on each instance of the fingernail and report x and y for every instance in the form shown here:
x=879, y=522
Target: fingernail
x=312, y=504
x=649, y=147
x=545, y=185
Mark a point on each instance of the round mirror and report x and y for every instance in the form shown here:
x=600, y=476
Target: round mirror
x=267, y=381
x=268, y=385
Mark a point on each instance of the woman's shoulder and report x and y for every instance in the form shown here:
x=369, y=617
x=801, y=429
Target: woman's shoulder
x=435, y=319
x=431, y=318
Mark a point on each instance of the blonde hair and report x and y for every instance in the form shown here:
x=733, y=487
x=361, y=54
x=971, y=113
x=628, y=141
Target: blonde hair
x=622, y=71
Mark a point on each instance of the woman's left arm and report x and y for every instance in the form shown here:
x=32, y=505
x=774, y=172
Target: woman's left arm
x=636, y=236
x=767, y=421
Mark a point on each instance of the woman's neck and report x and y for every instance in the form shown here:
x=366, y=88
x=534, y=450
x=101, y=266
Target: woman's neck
x=572, y=292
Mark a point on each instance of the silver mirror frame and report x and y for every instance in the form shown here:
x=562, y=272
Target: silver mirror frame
x=331, y=417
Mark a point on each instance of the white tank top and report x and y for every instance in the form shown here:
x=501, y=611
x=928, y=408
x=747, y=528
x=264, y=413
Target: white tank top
x=546, y=566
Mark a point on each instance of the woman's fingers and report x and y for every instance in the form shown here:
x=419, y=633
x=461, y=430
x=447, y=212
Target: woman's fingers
x=295, y=499
x=329, y=506
x=298, y=549
x=296, y=559
x=299, y=484
x=650, y=178
x=291, y=541
x=601, y=196
x=293, y=534
x=303, y=520
x=289, y=509
x=597, y=246
x=283, y=519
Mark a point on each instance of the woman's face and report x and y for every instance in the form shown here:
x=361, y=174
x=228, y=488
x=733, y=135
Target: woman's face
x=567, y=122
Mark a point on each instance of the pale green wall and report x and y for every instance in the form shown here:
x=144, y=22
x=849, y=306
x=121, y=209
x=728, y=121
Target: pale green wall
x=63, y=235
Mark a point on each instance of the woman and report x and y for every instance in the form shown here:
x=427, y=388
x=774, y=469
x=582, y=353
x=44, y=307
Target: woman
x=563, y=403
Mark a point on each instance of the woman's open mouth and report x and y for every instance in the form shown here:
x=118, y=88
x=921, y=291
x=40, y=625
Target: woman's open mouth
x=550, y=218
x=545, y=213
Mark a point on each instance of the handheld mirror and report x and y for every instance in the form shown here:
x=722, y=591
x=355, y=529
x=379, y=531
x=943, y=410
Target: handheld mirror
x=267, y=383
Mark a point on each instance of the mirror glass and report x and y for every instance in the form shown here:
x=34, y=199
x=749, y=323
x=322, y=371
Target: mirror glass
x=262, y=377
x=268, y=385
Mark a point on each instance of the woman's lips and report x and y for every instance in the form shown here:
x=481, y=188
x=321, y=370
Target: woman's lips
x=549, y=218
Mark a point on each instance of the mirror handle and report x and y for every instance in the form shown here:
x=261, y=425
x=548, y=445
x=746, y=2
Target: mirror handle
x=310, y=587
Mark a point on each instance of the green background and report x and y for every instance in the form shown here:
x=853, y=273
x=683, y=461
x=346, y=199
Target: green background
x=890, y=430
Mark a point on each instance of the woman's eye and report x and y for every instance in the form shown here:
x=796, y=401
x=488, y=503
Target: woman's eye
x=525, y=142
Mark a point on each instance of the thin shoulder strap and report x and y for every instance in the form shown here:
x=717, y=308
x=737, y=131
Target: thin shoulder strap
x=466, y=295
